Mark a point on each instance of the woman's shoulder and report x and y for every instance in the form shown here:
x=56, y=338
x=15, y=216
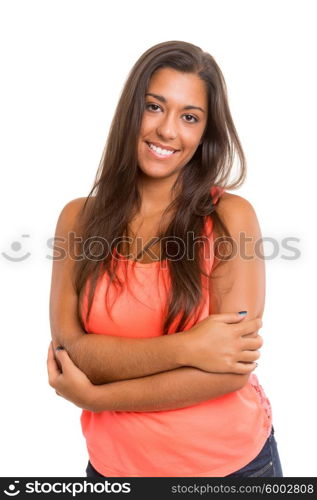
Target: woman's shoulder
x=237, y=212
x=77, y=203
x=229, y=202
x=68, y=216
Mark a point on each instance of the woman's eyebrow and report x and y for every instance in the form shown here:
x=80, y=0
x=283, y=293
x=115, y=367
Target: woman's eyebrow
x=162, y=99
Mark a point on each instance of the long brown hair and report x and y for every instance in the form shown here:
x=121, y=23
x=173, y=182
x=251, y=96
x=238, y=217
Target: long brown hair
x=115, y=194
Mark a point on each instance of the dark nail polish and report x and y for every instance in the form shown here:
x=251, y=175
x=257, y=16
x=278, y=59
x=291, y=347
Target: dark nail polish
x=243, y=312
x=59, y=348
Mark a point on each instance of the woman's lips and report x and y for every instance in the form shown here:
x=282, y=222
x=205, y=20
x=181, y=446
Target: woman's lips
x=157, y=155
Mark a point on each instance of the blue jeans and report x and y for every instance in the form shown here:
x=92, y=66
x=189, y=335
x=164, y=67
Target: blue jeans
x=265, y=464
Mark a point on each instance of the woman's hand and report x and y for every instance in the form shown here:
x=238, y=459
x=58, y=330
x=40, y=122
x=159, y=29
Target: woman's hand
x=222, y=343
x=68, y=381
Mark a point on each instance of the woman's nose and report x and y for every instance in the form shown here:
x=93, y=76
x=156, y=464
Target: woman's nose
x=167, y=127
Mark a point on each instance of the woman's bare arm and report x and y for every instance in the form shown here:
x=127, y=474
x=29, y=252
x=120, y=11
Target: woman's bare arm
x=239, y=283
x=165, y=391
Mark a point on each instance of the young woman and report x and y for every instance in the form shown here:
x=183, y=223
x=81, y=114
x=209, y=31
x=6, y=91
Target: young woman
x=158, y=286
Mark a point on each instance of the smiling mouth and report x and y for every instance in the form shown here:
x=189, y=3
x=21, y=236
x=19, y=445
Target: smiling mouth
x=160, y=152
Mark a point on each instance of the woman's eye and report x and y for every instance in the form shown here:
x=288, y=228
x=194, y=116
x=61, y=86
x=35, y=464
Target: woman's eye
x=194, y=119
x=149, y=105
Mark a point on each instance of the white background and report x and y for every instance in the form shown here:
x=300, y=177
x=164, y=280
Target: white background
x=63, y=65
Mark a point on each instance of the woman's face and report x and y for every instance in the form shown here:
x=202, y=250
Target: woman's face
x=173, y=122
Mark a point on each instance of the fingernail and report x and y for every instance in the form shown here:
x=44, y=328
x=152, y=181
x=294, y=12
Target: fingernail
x=59, y=348
x=242, y=312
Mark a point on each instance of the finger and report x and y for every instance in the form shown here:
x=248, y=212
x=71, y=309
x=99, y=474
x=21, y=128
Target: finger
x=251, y=343
x=250, y=335
x=50, y=355
x=55, y=348
x=249, y=356
x=244, y=368
x=234, y=317
x=64, y=359
x=52, y=368
x=50, y=351
x=250, y=326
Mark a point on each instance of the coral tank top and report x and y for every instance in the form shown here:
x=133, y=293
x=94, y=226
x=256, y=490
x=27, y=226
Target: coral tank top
x=213, y=438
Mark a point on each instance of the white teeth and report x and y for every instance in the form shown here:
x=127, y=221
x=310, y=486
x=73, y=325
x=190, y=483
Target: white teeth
x=160, y=151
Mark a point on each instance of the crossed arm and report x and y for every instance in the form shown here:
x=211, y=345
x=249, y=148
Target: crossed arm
x=114, y=373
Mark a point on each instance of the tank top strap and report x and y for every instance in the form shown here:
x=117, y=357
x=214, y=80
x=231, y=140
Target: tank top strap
x=216, y=192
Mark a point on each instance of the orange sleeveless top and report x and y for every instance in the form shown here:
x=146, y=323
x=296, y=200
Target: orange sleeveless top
x=213, y=438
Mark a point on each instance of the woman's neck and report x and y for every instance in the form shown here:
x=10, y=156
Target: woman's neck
x=156, y=195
